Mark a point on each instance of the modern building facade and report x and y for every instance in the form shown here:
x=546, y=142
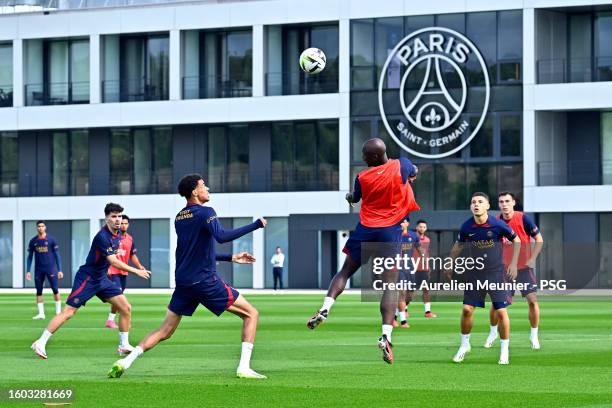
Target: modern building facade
x=117, y=103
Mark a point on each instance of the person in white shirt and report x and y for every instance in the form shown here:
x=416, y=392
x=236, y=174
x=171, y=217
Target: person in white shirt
x=277, y=261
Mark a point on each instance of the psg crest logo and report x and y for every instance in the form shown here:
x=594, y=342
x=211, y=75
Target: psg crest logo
x=427, y=77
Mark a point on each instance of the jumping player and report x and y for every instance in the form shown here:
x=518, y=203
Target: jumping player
x=197, y=282
x=92, y=280
x=482, y=237
x=387, y=199
x=126, y=252
x=526, y=229
x=48, y=264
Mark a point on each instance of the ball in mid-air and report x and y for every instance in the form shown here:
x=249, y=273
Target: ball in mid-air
x=312, y=60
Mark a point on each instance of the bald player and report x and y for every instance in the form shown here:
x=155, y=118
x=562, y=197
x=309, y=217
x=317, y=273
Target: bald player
x=387, y=199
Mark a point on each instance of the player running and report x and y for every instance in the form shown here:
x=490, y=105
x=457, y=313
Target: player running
x=411, y=247
x=387, y=200
x=422, y=273
x=526, y=229
x=48, y=264
x=91, y=280
x=197, y=282
x=482, y=237
x=126, y=252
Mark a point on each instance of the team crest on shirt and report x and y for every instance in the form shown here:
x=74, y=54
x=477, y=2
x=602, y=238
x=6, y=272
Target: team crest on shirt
x=489, y=234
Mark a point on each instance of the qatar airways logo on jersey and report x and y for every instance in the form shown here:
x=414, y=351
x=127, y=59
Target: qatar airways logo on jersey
x=426, y=74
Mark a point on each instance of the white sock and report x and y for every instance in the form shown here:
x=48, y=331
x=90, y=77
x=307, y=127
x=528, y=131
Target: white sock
x=534, y=333
x=493, y=331
x=41, y=308
x=328, y=302
x=58, y=307
x=387, y=329
x=124, y=338
x=402, y=316
x=465, y=340
x=44, y=338
x=245, y=356
x=111, y=316
x=427, y=307
x=127, y=361
x=504, y=345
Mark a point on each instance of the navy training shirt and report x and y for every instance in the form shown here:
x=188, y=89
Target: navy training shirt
x=485, y=240
x=197, y=228
x=45, y=253
x=105, y=243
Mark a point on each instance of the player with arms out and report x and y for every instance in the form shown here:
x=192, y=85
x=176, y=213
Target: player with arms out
x=482, y=236
x=526, y=229
x=197, y=282
x=387, y=199
x=48, y=264
x=91, y=280
x=126, y=252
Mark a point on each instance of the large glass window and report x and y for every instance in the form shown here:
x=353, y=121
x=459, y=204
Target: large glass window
x=141, y=161
x=9, y=165
x=603, y=47
x=285, y=44
x=242, y=273
x=136, y=68
x=217, y=64
x=160, y=253
x=228, y=158
x=6, y=75
x=6, y=248
x=304, y=156
x=70, y=166
x=65, y=73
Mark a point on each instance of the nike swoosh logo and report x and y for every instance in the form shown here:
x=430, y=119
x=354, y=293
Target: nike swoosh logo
x=380, y=172
x=471, y=235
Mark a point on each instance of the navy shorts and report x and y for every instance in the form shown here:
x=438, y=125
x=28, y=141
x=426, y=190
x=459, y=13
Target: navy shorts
x=390, y=235
x=527, y=276
x=476, y=297
x=39, y=281
x=420, y=277
x=212, y=293
x=84, y=288
x=119, y=280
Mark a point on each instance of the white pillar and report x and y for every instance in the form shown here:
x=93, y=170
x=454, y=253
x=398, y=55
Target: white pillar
x=529, y=115
x=172, y=254
x=175, y=65
x=259, y=251
x=344, y=56
x=344, y=125
x=18, y=254
x=529, y=51
x=94, y=69
x=344, y=152
x=259, y=60
x=18, y=70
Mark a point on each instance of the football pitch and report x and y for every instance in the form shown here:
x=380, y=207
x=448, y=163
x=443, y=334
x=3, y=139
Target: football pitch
x=336, y=365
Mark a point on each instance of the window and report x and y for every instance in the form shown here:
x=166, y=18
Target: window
x=64, y=75
x=242, y=273
x=6, y=248
x=276, y=234
x=6, y=75
x=9, y=166
x=228, y=158
x=304, y=156
x=141, y=161
x=510, y=135
x=217, y=64
x=482, y=144
x=70, y=166
x=160, y=253
x=284, y=43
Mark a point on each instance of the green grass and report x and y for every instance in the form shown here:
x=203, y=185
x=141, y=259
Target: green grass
x=336, y=365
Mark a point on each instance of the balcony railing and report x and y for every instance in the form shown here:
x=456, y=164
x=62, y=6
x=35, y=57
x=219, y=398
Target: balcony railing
x=574, y=172
x=57, y=93
x=553, y=71
x=299, y=83
x=6, y=96
x=215, y=86
x=134, y=90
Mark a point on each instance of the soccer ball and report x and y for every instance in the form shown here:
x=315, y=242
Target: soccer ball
x=312, y=60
